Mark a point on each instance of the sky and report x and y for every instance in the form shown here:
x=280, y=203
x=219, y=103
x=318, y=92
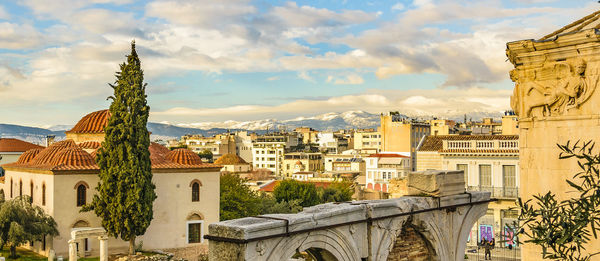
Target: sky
x=241, y=60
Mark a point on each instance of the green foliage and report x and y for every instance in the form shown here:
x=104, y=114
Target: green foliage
x=339, y=191
x=22, y=222
x=563, y=228
x=237, y=199
x=206, y=154
x=289, y=190
x=125, y=191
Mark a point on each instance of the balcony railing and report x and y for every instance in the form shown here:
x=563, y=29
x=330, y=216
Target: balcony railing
x=481, y=144
x=498, y=192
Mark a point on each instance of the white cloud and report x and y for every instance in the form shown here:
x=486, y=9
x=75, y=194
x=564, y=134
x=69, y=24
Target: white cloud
x=208, y=14
x=19, y=36
x=3, y=13
x=445, y=102
x=398, y=6
x=347, y=79
x=307, y=16
x=273, y=78
x=304, y=75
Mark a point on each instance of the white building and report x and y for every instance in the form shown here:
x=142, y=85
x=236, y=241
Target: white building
x=268, y=150
x=382, y=167
x=243, y=145
x=332, y=143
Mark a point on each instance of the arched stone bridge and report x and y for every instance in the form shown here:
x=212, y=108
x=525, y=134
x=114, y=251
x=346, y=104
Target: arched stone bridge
x=407, y=228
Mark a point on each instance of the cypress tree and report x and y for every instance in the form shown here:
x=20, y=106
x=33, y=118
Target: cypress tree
x=125, y=191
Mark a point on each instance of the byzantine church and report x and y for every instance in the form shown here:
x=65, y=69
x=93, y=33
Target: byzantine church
x=62, y=177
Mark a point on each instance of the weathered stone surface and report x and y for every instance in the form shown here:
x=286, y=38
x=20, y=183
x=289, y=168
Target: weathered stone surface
x=365, y=229
x=436, y=183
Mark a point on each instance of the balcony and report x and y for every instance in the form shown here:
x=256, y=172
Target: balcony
x=481, y=144
x=498, y=192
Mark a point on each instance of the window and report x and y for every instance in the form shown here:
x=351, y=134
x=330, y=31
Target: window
x=195, y=192
x=20, y=188
x=485, y=176
x=11, y=187
x=81, y=195
x=31, y=190
x=44, y=195
x=465, y=169
x=509, y=178
x=194, y=231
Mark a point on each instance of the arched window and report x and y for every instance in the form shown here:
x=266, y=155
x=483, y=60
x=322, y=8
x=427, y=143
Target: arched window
x=20, y=188
x=194, y=228
x=81, y=195
x=11, y=188
x=195, y=192
x=31, y=190
x=44, y=194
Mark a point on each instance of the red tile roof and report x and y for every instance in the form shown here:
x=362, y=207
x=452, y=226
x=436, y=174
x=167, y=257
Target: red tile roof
x=28, y=155
x=271, y=186
x=230, y=159
x=92, y=123
x=66, y=155
x=89, y=145
x=16, y=145
x=184, y=156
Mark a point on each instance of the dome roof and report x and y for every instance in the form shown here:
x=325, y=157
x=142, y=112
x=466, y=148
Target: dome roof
x=73, y=156
x=184, y=156
x=230, y=159
x=28, y=155
x=46, y=155
x=89, y=145
x=298, y=162
x=92, y=123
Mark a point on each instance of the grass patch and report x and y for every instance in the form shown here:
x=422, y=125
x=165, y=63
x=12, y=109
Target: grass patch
x=23, y=254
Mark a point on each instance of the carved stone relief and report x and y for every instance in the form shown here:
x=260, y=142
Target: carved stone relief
x=555, y=88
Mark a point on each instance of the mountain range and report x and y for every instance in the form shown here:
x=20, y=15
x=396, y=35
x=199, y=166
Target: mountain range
x=164, y=130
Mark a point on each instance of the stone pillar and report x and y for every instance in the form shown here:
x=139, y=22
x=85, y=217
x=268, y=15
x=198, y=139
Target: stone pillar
x=51, y=255
x=72, y=250
x=81, y=248
x=103, y=248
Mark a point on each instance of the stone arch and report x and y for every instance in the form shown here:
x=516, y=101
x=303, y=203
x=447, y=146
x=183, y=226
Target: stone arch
x=331, y=240
x=195, y=181
x=80, y=223
x=195, y=216
x=81, y=182
x=410, y=244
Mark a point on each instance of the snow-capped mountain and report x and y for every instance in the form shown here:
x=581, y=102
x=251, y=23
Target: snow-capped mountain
x=327, y=121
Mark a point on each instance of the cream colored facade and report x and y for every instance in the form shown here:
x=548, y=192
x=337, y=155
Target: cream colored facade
x=9, y=157
x=219, y=144
x=490, y=163
x=367, y=142
x=556, y=102
x=302, y=162
x=402, y=135
x=442, y=127
x=173, y=208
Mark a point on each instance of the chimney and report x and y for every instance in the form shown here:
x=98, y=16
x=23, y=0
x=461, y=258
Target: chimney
x=50, y=140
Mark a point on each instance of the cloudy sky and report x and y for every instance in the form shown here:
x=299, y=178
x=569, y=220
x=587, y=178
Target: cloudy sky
x=207, y=60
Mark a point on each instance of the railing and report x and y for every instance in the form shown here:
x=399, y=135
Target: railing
x=497, y=192
x=482, y=144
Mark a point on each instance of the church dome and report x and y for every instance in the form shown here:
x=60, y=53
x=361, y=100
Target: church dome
x=230, y=159
x=92, y=123
x=28, y=155
x=92, y=145
x=46, y=155
x=73, y=156
x=184, y=156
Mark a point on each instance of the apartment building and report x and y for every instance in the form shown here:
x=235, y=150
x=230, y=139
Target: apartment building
x=382, y=167
x=442, y=127
x=367, y=141
x=332, y=143
x=401, y=134
x=295, y=162
x=243, y=145
x=268, y=150
x=219, y=144
x=490, y=163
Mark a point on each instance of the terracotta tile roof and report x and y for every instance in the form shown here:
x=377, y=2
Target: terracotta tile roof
x=92, y=123
x=587, y=22
x=89, y=145
x=387, y=155
x=28, y=155
x=230, y=159
x=436, y=143
x=66, y=155
x=184, y=156
x=16, y=145
x=270, y=187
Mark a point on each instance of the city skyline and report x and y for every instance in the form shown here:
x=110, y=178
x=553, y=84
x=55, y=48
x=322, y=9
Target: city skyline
x=250, y=60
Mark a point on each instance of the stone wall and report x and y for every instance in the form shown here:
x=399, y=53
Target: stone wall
x=410, y=245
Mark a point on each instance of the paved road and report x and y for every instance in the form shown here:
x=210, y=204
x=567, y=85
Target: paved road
x=498, y=254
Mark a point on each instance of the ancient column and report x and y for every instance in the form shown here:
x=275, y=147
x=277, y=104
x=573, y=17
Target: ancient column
x=556, y=101
x=81, y=248
x=103, y=248
x=72, y=250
